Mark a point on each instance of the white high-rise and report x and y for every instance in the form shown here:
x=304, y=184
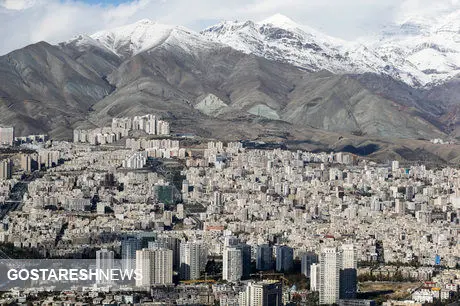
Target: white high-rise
x=104, y=266
x=338, y=274
x=400, y=206
x=314, y=277
x=349, y=257
x=6, y=169
x=26, y=163
x=217, y=198
x=330, y=261
x=192, y=260
x=6, y=136
x=171, y=243
x=394, y=165
x=156, y=266
x=232, y=269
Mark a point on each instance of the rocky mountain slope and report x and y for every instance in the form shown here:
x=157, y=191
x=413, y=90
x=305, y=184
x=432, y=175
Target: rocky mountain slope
x=43, y=89
x=205, y=87
x=175, y=77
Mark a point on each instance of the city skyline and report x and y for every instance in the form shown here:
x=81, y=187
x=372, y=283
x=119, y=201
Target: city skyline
x=243, y=153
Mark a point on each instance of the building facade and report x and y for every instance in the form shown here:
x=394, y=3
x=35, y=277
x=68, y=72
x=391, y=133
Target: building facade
x=330, y=260
x=264, y=293
x=232, y=268
x=192, y=260
x=156, y=266
x=6, y=136
x=264, y=260
x=284, y=258
x=307, y=260
x=104, y=266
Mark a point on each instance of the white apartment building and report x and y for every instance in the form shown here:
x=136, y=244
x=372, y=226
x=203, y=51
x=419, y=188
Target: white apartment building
x=6, y=169
x=264, y=293
x=232, y=270
x=314, y=277
x=330, y=259
x=156, y=266
x=6, y=136
x=104, y=265
x=192, y=260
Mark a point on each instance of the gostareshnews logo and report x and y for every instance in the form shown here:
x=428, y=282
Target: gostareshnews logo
x=72, y=274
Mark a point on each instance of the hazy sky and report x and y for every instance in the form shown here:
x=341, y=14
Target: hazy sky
x=27, y=21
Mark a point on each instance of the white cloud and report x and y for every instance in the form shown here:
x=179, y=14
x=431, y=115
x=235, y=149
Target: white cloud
x=54, y=21
x=18, y=4
x=27, y=21
x=125, y=10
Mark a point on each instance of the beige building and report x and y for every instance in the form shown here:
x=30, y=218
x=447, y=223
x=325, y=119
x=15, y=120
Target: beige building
x=26, y=162
x=6, y=136
x=6, y=169
x=263, y=293
x=156, y=266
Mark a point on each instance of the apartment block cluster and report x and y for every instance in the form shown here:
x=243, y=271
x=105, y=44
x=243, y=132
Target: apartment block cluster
x=157, y=148
x=29, y=162
x=40, y=221
x=121, y=127
x=160, y=255
x=259, y=211
x=412, y=212
x=8, y=138
x=31, y=139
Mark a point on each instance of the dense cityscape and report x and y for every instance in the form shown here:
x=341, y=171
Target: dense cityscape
x=233, y=153
x=214, y=223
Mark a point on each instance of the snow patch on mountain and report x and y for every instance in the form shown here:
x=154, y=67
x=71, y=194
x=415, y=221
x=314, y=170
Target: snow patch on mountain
x=428, y=47
x=279, y=38
x=134, y=38
x=419, y=51
x=145, y=34
x=83, y=41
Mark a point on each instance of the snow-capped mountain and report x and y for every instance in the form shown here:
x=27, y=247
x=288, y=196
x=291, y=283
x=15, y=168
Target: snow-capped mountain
x=426, y=47
x=145, y=34
x=83, y=41
x=211, y=89
x=418, y=51
x=279, y=38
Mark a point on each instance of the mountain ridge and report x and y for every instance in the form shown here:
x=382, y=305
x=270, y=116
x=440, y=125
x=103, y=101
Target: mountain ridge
x=397, y=53
x=246, y=96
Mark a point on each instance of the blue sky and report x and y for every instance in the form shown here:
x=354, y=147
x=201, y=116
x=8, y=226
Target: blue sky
x=23, y=22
